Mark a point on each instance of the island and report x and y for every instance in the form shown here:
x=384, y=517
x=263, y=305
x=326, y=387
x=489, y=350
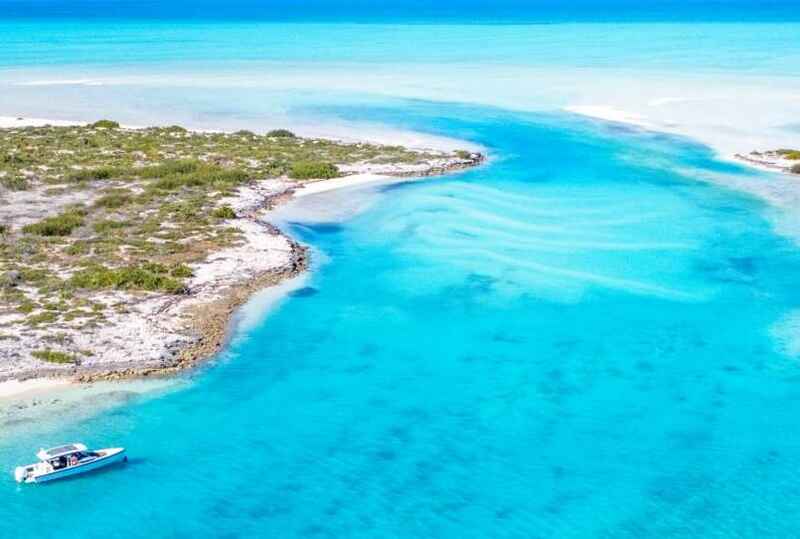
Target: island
x=124, y=252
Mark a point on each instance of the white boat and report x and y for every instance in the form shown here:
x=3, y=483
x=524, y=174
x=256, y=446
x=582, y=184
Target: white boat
x=67, y=460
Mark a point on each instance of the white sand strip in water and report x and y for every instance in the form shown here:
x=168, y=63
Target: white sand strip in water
x=15, y=388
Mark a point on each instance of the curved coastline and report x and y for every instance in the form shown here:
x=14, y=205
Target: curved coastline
x=637, y=121
x=211, y=320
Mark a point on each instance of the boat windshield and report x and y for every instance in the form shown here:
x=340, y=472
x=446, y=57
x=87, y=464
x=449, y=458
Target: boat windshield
x=72, y=459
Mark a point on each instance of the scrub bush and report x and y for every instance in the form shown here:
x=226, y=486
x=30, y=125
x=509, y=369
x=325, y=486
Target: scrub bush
x=224, y=212
x=59, y=225
x=306, y=170
x=281, y=133
x=52, y=356
x=106, y=124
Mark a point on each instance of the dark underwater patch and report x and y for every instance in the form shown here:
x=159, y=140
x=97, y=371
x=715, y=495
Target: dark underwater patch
x=304, y=292
x=325, y=228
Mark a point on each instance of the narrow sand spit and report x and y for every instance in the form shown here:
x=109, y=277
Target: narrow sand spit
x=768, y=161
x=611, y=114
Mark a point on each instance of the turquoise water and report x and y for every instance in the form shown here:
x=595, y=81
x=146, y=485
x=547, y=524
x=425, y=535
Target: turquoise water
x=749, y=47
x=572, y=341
x=580, y=339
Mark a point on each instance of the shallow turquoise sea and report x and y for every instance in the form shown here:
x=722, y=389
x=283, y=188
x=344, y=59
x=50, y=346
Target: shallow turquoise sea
x=584, y=338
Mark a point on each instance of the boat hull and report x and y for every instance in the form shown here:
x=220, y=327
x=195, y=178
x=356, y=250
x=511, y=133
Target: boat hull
x=110, y=456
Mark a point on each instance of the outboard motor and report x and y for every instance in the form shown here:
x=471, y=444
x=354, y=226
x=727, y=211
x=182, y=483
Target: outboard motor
x=20, y=474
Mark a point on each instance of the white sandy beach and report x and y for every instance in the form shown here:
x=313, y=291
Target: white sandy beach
x=19, y=121
x=610, y=114
x=16, y=388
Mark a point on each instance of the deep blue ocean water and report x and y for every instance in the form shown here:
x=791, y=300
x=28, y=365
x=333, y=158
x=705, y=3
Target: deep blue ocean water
x=583, y=338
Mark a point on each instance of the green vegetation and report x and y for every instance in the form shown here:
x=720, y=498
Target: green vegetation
x=144, y=277
x=171, y=168
x=53, y=356
x=42, y=318
x=463, y=154
x=106, y=226
x=15, y=183
x=106, y=124
x=95, y=174
x=180, y=174
x=154, y=202
x=224, y=212
x=310, y=170
x=181, y=271
x=85, y=155
x=281, y=133
x=59, y=225
x=789, y=153
x=114, y=199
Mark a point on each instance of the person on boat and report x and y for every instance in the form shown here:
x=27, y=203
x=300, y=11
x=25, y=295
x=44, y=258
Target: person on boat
x=73, y=460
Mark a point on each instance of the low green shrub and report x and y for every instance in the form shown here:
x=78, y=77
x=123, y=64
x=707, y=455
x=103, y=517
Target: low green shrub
x=217, y=177
x=105, y=226
x=181, y=271
x=155, y=267
x=77, y=248
x=224, y=212
x=106, y=124
x=114, y=200
x=95, y=174
x=307, y=170
x=170, y=168
x=15, y=158
x=463, y=154
x=26, y=307
x=58, y=225
x=34, y=275
x=15, y=182
x=173, y=175
x=53, y=356
x=207, y=176
x=127, y=278
x=281, y=133
x=4, y=229
x=42, y=318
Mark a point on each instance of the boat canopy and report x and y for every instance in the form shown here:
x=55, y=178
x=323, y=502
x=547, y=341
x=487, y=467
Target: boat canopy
x=60, y=451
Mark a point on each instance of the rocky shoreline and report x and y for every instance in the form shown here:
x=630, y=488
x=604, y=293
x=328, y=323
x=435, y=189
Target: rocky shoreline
x=210, y=322
x=189, y=329
x=773, y=161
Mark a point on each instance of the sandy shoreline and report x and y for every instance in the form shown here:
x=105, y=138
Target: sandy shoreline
x=17, y=388
x=167, y=334
x=611, y=114
x=218, y=287
x=741, y=157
